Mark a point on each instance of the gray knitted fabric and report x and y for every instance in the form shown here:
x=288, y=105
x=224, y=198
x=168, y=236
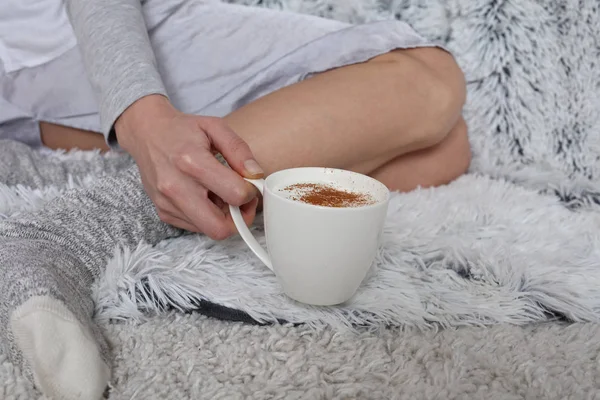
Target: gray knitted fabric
x=20, y=164
x=60, y=250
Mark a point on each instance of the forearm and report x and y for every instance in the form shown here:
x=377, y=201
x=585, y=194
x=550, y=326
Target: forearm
x=117, y=55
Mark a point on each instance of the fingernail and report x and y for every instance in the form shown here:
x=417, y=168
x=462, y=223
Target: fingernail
x=253, y=168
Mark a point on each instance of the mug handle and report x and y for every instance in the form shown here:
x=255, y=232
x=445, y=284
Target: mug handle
x=244, y=231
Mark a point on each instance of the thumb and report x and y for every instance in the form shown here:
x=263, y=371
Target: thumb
x=234, y=149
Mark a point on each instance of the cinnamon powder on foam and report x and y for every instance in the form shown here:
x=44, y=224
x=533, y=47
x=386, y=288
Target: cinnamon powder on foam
x=325, y=195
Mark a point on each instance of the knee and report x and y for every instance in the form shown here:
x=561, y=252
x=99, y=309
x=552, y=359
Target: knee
x=441, y=83
x=454, y=155
x=451, y=158
x=445, y=83
x=447, y=104
x=462, y=150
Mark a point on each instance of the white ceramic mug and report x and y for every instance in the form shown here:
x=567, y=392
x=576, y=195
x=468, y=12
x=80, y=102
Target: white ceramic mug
x=319, y=254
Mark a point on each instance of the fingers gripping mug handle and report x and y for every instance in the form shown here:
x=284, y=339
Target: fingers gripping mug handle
x=245, y=233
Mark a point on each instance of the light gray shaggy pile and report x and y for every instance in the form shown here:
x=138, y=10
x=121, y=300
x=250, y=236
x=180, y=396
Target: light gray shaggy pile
x=515, y=241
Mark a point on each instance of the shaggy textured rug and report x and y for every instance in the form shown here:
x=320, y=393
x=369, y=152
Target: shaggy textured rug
x=190, y=357
x=498, y=245
x=515, y=241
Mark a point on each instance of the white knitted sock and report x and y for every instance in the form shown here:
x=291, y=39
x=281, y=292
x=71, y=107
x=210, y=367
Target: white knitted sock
x=61, y=352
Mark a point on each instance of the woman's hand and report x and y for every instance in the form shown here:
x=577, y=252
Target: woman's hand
x=175, y=153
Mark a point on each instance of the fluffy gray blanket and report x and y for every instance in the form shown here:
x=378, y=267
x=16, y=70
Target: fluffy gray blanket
x=516, y=240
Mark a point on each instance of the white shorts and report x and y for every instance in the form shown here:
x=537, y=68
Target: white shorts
x=213, y=57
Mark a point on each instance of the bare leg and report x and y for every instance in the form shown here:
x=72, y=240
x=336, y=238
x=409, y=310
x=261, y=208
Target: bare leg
x=63, y=137
x=434, y=166
x=396, y=117
x=358, y=117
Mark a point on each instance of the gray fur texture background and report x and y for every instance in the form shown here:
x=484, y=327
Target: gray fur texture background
x=515, y=241
x=177, y=357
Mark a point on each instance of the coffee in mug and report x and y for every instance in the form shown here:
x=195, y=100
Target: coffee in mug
x=326, y=195
x=323, y=229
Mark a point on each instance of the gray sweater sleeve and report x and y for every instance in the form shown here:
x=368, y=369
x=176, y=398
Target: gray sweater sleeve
x=117, y=54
